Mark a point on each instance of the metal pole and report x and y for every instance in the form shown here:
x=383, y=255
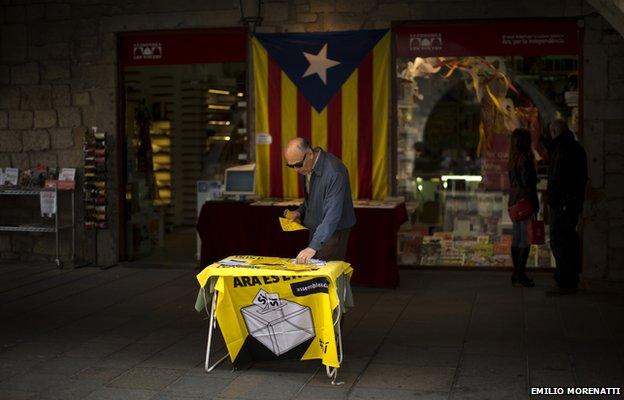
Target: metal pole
x=56, y=225
x=95, y=246
x=73, y=198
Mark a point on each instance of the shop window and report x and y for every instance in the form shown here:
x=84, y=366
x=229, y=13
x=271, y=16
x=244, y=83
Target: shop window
x=459, y=98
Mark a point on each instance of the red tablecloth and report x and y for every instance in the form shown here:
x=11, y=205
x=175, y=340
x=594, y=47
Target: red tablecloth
x=227, y=228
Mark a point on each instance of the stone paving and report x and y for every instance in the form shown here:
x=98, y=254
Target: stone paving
x=132, y=333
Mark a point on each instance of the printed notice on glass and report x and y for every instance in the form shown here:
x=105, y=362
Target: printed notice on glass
x=263, y=138
x=11, y=175
x=47, y=199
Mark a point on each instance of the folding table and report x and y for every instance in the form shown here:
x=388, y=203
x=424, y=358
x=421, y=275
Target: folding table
x=271, y=303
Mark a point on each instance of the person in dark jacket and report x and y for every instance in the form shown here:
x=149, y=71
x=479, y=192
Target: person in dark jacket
x=327, y=208
x=567, y=178
x=523, y=181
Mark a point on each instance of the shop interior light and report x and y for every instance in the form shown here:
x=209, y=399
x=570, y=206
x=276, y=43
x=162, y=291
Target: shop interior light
x=162, y=159
x=445, y=185
x=240, y=94
x=163, y=176
x=161, y=126
x=161, y=142
x=164, y=194
x=218, y=107
x=467, y=178
x=218, y=91
x=218, y=122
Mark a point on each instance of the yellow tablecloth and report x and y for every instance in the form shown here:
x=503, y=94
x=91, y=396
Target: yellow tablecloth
x=272, y=303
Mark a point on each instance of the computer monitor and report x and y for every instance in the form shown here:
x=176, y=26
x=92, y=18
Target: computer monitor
x=240, y=180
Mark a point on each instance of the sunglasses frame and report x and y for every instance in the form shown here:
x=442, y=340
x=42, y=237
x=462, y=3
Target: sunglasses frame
x=298, y=164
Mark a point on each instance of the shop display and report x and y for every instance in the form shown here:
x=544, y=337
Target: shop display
x=49, y=186
x=95, y=180
x=37, y=177
x=473, y=229
x=160, y=135
x=458, y=100
x=161, y=142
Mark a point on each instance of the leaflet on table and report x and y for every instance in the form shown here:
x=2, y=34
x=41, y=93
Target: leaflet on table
x=312, y=261
x=262, y=203
x=279, y=203
x=288, y=203
x=271, y=263
x=290, y=226
x=374, y=204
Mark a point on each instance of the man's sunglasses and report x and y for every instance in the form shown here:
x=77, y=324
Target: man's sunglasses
x=299, y=164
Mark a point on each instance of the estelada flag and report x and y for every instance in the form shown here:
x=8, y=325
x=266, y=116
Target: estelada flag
x=332, y=88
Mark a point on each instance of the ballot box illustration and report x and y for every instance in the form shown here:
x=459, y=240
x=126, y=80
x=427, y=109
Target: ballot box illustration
x=278, y=324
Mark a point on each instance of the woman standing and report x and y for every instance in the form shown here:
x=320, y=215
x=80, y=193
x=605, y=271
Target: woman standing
x=523, y=181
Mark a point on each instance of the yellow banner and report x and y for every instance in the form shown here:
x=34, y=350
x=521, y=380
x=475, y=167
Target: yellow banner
x=272, y=306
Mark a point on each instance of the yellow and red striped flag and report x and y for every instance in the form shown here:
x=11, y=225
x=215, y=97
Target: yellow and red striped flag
x=332, y=88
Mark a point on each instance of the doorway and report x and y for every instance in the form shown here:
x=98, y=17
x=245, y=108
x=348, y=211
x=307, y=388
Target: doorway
x=184, y=121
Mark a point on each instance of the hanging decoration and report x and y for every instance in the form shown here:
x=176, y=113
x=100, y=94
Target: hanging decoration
x=487, y=81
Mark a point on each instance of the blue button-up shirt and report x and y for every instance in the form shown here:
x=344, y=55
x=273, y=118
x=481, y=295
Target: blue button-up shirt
x=328, y=206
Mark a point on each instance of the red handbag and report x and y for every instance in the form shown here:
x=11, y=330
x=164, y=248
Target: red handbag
x=522, y=210
x=535, y=231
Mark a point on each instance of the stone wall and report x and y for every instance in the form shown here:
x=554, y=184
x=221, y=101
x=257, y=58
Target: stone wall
x=58, y=76
x=603, y=63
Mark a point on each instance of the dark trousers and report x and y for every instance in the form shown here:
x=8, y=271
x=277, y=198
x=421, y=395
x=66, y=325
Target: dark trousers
x=335, y=249
x=564, y=244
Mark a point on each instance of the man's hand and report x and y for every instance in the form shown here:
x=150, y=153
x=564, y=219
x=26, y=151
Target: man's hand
x=305, y=255
x=292, y=215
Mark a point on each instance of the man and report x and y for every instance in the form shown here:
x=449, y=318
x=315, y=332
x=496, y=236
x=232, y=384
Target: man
x=327, y=209
x=567, y=178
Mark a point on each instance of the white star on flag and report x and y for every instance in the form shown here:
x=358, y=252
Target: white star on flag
x=319, y=64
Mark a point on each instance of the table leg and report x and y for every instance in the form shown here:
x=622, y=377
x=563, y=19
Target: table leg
x=212, y=325
x=333, y=372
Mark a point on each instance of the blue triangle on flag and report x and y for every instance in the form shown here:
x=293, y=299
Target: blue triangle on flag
x=320, y=63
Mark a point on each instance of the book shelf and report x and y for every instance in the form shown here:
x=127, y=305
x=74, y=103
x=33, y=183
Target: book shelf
x=160, y=132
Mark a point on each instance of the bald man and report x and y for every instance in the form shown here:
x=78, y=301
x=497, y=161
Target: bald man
x=327, y=208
